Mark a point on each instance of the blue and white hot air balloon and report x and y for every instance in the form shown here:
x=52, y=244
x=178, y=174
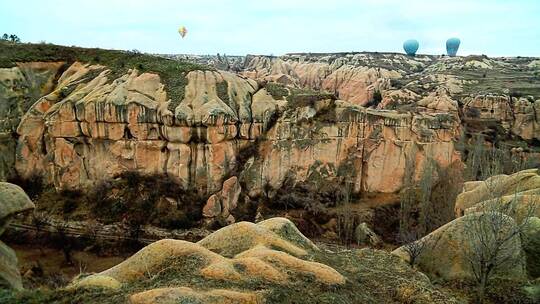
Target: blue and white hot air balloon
x=411, y=46
x=452, y=46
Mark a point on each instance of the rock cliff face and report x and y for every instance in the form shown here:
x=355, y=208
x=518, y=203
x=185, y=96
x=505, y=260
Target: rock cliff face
x=88, y=127
x=20, y=87
x=502, y=90
x=78, y=123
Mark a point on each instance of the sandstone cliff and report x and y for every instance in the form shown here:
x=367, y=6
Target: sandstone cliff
x=90, y=124
x=504, y=91
x=77, y=123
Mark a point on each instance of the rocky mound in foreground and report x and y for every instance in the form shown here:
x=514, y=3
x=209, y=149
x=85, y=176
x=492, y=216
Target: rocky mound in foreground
x=268, y=262
x=498, y=220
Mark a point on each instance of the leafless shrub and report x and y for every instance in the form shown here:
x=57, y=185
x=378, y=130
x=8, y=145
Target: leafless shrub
x=64, y=242
x=347, y=221
x=407, y=199
x=91, y=232
x=483, y=159
x=39, y=221
x=428, y=203
x=425, y=187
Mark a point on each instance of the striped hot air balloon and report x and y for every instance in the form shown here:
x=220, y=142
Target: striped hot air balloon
x=452, y=46
x=411, y=46
x=182, y=31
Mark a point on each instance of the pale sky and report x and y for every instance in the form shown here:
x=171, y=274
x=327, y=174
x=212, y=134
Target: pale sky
x=491, y=27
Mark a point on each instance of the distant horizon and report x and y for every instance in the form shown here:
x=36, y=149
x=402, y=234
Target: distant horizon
x=495, y=28
x=268, y=55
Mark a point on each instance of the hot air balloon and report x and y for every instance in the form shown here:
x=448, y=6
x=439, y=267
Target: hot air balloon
x=452, y=46
x=182, y=31
x=411, y=46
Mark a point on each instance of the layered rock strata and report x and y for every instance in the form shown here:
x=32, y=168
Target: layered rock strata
x=91, y=126
x=504, y=91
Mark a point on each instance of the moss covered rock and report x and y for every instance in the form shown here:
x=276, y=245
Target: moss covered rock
x=447, y=250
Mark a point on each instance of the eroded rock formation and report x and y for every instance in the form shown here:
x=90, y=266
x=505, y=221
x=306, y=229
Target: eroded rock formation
x=521, y=189
x=268, y=262
x=359, y=119
x=516, y=196
x=505, y=91
x=241, y=252
x=90, y=127
x=448, y=251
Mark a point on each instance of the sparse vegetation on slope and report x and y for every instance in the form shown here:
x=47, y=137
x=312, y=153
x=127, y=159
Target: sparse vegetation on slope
x=371, y=276
x=133, y=198
x=172, y=72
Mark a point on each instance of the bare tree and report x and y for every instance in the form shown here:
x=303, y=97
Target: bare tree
x=492, y=236
x=64, y=241
x=347, y=218
x=13, y=38
x=425, y=189
x=407, y=200
x=485, y=159
x=39, y=220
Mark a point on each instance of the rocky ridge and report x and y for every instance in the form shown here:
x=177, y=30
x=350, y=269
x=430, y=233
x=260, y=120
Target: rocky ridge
x=503, y=90
x=89, y=126
x=356, y=119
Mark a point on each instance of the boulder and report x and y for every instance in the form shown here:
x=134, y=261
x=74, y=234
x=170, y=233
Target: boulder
x=239, y=252
x=447, y=249
x=13, y=200
x=519, y=183
x=213, y=207
x=9, y=271
x=365, y=236
x=221, y=204
x=229, y=194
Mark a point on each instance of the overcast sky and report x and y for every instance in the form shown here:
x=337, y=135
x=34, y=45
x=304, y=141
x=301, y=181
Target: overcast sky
x=491, y=27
